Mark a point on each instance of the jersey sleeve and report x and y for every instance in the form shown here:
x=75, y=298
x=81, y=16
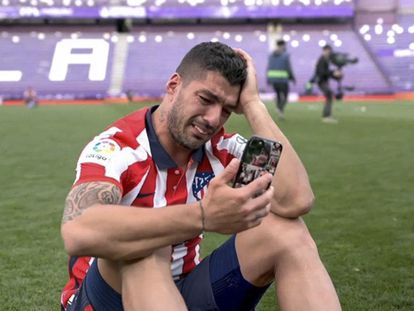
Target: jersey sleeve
x=102, y=160
x=225, y=147
x=234, y=144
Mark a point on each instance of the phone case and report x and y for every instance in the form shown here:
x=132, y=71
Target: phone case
x=260, y=155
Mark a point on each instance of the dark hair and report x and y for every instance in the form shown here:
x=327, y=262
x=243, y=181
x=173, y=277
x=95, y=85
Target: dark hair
x=281, y=42
x=327, y=47
x=213, y=56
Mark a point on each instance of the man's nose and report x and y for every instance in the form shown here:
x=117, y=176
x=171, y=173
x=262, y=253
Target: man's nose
x=213, y=115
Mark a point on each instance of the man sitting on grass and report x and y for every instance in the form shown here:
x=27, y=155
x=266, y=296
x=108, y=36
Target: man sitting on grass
x=160, y=161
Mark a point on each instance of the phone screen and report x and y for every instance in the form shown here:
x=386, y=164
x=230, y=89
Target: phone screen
x=259, y=156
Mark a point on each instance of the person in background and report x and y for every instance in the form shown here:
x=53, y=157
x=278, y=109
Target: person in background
x=130, y=96
x=30, y=97
x=323, y=73
x=279, y=73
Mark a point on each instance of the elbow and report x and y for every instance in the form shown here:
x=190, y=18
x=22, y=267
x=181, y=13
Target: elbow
x=79, y=240
x=302, y=201
x=73, y=242
x=67, y=231
x=303, y=204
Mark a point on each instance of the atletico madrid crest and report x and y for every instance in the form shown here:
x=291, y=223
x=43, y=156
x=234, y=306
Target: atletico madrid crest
x=200, y=183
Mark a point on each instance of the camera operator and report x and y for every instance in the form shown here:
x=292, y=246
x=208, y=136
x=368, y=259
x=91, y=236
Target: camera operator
x=323, y=73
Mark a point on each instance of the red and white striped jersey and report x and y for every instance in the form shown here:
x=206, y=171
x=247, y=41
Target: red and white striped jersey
x=129, y=154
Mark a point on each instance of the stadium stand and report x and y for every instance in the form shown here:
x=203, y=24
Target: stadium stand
x=177, y=3
x=133, y=36
x=158, y=9
x=393, y=46
x=31, y=53
x=148, y=65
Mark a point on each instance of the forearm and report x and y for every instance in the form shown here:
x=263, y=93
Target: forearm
x=120, y=233
x=293, y=193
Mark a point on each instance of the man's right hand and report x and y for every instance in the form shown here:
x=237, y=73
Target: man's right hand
x=230, y=210
x=337, y=74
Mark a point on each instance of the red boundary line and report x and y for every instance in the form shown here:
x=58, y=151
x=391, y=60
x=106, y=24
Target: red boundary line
x=47, y=102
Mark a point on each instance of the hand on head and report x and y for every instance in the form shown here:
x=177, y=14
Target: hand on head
x=250, y=91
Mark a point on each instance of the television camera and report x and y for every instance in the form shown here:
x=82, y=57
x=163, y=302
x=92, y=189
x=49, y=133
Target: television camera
x=339, y=60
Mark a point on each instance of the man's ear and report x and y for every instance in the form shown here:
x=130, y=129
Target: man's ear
x=173, y=83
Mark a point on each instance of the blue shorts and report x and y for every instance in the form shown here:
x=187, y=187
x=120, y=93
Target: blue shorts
x=215, y=284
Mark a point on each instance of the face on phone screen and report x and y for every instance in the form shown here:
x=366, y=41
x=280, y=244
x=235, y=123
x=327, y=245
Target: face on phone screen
x=260, y=156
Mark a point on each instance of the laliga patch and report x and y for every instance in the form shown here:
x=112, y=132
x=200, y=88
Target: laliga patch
x=105, y=147
x=99, y=151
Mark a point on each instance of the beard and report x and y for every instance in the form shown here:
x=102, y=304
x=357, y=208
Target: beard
x=177, y=125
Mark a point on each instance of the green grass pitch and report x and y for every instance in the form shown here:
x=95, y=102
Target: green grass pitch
x=361, y=169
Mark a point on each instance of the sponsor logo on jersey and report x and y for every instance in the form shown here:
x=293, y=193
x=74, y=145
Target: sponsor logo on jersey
x=99, y=152
x=96, y=156
x=105, y=147
x=200, y=183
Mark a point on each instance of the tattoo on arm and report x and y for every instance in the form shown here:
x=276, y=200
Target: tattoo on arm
x=85, y=195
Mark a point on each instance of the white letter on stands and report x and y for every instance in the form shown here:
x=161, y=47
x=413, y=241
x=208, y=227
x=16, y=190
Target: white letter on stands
x=10, y=75
x=97, y=59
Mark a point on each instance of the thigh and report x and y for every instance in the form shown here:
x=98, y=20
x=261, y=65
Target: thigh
x=286, y=89
x=260, y=248
x=196, y=288
x=325, y=88
x=278, y=87
x=218, y=284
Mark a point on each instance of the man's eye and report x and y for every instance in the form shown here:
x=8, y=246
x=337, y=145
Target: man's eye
x=205, y=100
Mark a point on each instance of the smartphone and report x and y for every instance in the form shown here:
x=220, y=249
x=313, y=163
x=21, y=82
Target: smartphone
x=259, y=156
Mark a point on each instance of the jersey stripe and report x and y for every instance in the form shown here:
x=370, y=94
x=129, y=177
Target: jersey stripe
x=132, y=195
x=160, y=189
x=178, y=254
x=215, y=162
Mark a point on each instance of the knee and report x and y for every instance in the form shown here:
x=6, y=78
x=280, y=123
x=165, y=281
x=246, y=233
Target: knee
x=300, y=243
x=293, y=240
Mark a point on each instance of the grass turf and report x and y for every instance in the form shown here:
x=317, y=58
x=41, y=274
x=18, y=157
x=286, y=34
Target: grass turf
x=361, y=170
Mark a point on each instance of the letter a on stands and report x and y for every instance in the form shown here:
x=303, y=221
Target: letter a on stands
x=95, y=55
